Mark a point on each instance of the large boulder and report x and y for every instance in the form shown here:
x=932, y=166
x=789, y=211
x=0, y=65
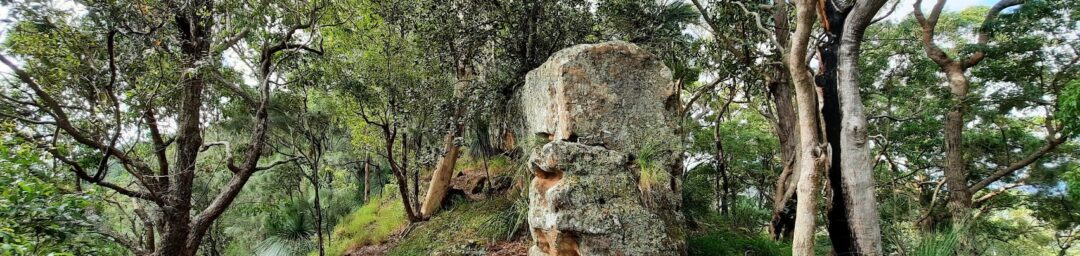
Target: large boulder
x=604, y=153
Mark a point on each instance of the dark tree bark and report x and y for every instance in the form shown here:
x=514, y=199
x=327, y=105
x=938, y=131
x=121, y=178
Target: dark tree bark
x=367, y=179
x=833, y=22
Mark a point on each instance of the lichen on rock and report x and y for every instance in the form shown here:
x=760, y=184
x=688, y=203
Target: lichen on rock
x=604, y=118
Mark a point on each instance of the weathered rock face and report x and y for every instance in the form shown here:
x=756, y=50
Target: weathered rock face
x=604, y=154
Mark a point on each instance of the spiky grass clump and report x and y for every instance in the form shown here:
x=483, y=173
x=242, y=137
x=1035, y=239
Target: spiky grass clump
x=288, y=230
x=939, y=243
x=647, y=160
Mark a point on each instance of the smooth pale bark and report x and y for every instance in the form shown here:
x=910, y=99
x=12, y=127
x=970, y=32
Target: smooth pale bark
x=813, y=157
x=440, y=179
x=855, y=166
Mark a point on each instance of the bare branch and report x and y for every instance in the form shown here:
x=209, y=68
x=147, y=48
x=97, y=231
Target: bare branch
x=276, y=163
x=986, y=29
x=1050, y=145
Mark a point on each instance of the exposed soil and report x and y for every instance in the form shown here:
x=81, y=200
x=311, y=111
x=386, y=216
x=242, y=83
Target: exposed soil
x=508, y=248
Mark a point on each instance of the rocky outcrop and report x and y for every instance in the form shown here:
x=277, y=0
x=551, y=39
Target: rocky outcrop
x=604, y=153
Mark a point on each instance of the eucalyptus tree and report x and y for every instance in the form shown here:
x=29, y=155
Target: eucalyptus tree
x=956, y=172
x=1045, y=79
x=759, y=34
x=852, y=213
x=386, y=83
x=122, y=85
x=859, y=205
x=813, y=150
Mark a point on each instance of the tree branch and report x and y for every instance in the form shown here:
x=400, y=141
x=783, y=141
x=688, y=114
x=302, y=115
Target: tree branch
x=979, y=201
x=276, y=163
x=929, y=25
x=61, y=119
x=986, y=29
x=1050, y=145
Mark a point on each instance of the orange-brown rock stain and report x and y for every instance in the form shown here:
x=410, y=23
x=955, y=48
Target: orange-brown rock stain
x=556, y=243
x=543, y=181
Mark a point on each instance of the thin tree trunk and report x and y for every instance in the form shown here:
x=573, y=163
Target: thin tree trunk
x=416, y=172
x=487, y=172
x=399, y=175
x=781, y=91
x=367, y=179
x=720, y=165
x=318, y=207
x=813, y=157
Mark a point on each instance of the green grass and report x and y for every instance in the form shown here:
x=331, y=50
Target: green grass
x=371, y=224
x=481, y=222
x=647, y=161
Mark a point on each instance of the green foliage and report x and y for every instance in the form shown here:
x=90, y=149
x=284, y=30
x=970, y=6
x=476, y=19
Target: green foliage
x=407, y=65
x=40, y=215
x=288, y=230
x=938, y=244
x=651, y=169
x=1069, y=108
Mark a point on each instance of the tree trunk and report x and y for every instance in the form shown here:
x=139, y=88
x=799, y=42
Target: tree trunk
x=781, y=92
x=956, y=173
x=720, y=165
x=839, y=231
x=318, y=208
x=177, y=210
x=856, y=166
x=813, y=157
x=399, y=174
x=405, y=170
x=440, y=178
x=416, y=172
x=367, y=179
